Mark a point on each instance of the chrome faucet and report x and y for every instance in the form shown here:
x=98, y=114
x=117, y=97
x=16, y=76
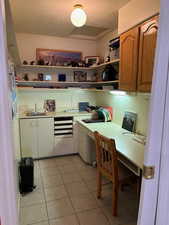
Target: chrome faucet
x=35, y=107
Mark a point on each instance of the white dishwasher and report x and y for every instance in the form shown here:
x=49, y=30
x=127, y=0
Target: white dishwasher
x=63, y=135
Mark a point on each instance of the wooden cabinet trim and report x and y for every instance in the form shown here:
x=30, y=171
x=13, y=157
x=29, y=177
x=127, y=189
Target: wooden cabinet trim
x=147, y=48
x=155, y=16
x=143, y=61
x=128, y=66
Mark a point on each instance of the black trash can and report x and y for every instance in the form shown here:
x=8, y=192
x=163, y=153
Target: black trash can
x=26, y=172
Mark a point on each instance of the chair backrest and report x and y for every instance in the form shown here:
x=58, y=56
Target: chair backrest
x=106, y=156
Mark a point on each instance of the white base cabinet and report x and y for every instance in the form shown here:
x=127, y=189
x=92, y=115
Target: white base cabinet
x=86, y=146
x=83, y=144
x=37, y=137
x=47, y=137
x=76, y=140
x=28, y=138
x=63, y=146
x=63, y=131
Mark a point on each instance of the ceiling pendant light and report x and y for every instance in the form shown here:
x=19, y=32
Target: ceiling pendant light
x=78, y=16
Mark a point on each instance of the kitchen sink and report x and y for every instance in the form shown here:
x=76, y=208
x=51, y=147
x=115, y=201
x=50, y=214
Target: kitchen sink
x=92, y=121
x=35, y=114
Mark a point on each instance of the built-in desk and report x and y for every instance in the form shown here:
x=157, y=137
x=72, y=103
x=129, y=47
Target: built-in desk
x=131, y=153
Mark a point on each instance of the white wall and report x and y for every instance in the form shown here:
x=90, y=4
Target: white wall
x=27, y=44
x=103, y=43
x=16, y=145
x=135, y=12
x=16, y=139
x=68, y=99
x=65, y=99
x=138, y=103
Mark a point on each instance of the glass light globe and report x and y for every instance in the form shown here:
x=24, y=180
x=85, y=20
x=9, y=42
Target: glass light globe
x=78, y=17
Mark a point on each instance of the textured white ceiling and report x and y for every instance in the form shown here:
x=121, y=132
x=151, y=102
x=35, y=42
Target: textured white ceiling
x=52, y=17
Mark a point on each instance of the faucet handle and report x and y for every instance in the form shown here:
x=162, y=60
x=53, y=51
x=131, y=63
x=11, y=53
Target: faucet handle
x=35, y=107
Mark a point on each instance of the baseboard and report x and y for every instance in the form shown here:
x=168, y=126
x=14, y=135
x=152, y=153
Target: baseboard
x=56, y=156
x=84, y=160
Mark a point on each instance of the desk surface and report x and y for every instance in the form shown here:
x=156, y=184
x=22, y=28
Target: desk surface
x=125, y=144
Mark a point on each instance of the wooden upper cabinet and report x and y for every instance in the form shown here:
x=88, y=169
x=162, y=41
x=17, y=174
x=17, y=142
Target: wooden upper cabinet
x=147, y=47
x=129, y=44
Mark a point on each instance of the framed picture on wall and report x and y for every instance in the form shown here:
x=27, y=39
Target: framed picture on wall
x=92, y=60
x=57, y=57
x=48, y=77
x=80, y=76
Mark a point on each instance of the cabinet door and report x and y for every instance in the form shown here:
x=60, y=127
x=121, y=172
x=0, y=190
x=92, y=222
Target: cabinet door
x=75, y=136
x=148, y=38
x=63, y=145
x=28, y=135
x=129, y=60
x=45, y=137
x=86, y=145
x=76, y=130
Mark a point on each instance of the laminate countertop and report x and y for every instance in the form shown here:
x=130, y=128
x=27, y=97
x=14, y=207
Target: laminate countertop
x=126, y=143
x=56, y=114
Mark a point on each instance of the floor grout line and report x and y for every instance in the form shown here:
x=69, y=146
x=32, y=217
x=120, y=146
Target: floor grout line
x=72, y=204
x=79, y=171
x=82, y=211
x=61, y=198
x=44, y=194
x=69, y=197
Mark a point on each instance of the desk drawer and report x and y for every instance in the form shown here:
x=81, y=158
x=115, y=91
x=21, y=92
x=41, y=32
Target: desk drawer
x=63, y=122
x=131, y=166
x=63, y=126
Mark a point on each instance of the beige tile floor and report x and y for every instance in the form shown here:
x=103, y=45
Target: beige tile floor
x=66, y=195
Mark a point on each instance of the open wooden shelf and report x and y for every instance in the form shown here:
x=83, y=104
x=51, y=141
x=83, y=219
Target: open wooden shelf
x=36, y=89
x=54, y=68
x=104, y=64
x=39, y=67
x=56, y=84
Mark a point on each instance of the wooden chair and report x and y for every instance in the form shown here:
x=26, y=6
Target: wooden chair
x=109, y=166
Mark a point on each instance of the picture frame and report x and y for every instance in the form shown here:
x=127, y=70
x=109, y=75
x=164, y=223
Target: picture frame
x=40, y=77
x=55, y=57
x=129, y=121
x=49, y=105
x=62, y=77
x=47, y=77
x=80, y=76
x=92, y=60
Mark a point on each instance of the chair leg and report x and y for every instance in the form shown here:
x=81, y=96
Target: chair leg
x=115, y=200
x=99, y=184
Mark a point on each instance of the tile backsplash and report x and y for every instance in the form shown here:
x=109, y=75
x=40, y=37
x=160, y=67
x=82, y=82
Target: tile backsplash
x=64, y=99
x=134, y=102
x=69, y=99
